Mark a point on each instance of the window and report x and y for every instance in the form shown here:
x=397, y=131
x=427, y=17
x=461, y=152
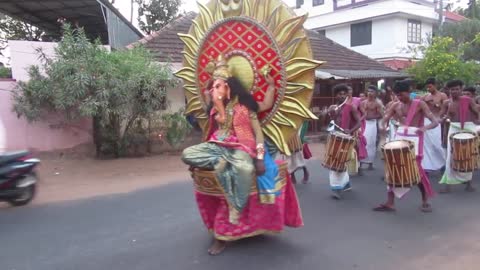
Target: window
x=414, y=31
x=317, y=2
x=299, y=3
x=361, y=34
x=342, y=3
x=322, y=32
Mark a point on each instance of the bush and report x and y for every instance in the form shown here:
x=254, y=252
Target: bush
x=117, y=89
x=176, y=128
x=5, y=73
x=444, y=61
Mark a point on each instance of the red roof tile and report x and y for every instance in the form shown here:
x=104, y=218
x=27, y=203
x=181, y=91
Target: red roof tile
x=454, y=16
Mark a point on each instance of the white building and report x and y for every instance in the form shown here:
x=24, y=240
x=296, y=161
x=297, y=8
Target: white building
x=385, y=30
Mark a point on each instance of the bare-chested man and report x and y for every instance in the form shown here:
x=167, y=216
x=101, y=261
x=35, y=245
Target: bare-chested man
x=362, y=96
x=411, y=114
x=374, y=112
x=464, y=115
x=471, y=93
x=433, y=153
x=348, y=118
x=354, y=167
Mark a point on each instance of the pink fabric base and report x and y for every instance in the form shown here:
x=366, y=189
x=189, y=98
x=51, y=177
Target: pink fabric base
x=255, y=219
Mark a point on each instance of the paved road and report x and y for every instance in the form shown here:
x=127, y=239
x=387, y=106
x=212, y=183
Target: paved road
x=161, y=229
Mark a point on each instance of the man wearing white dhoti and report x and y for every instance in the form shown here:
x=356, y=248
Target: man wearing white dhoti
x=374, y=112
x=464, y=115
x=433, y=154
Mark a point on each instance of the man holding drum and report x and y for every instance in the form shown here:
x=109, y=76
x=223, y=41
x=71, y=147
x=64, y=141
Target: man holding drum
x=464, y=115
x=346, y=116
x=411, y=114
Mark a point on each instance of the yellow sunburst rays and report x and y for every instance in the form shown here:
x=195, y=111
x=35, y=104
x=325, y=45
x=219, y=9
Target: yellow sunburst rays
x=299, y=67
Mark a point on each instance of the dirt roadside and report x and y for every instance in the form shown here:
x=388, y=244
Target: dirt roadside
x=73, y=179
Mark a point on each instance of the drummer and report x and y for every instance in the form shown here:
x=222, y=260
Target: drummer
x=411, y=115
x=464, y=115
x=348, y=118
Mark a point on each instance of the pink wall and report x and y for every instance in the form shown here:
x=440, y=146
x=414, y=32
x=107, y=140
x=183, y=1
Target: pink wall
x=45, y=135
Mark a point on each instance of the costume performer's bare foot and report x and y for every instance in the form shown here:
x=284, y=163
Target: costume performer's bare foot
x=426, y=208
x=306, y=175
x=217, y=247
x=384, y=208
x=469, y=187
x=292, y=176
x=445, y=190
x=336, y=195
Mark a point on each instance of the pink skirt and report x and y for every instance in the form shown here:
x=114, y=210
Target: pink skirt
x=255, y=219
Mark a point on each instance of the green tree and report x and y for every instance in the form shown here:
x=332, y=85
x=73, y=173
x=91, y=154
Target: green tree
x=155, y=14
x=5, y=72
x=464, y=34
x=176, y=127
x=117, y=89
x=444, y=61
x=472, y=11
x=12, y=29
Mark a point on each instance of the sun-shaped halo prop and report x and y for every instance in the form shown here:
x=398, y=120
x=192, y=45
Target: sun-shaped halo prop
x=255, y=37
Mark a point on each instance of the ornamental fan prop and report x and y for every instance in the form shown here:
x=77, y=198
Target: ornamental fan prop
x=255, y=37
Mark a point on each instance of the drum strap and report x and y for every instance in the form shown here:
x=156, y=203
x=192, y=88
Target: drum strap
x=408, y=121
x=411, y=114
x=463, y=110
x=346, y=115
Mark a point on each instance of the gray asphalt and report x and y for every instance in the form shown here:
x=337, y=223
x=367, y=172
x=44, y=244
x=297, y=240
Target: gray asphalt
x=161, y=229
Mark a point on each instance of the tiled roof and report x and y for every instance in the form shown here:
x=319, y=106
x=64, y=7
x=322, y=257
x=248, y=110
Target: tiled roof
x=454, y=16
x=360, y=74
x=398, y=64
x=166, y=46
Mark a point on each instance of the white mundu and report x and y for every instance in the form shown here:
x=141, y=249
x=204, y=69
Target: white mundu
x=434, y=155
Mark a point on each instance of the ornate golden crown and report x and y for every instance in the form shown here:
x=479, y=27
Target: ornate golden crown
x=219, y=68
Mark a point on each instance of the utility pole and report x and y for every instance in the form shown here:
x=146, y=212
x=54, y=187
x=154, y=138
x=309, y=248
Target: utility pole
x=131, y=11
x=440, y=14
